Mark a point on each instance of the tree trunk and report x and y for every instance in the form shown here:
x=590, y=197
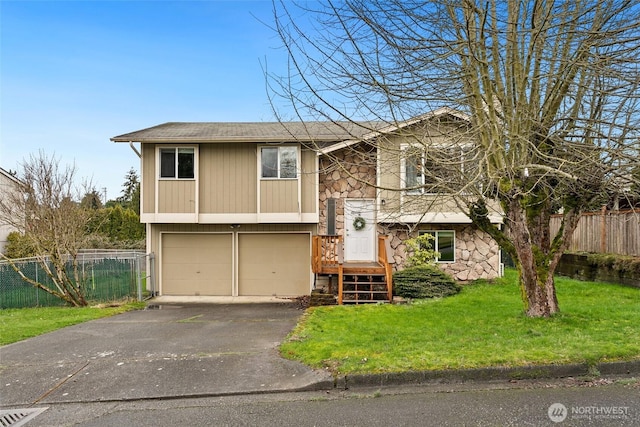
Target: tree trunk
x=536, y=279
x=539, y=293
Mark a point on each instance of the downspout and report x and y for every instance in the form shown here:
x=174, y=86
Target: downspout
x=150, y=259
x=135, y=150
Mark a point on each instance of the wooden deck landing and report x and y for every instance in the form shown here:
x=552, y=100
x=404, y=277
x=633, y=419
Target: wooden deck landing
x=355, y=268
x=358, y=282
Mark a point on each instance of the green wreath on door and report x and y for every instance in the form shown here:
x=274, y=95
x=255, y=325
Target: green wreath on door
x=359, y=223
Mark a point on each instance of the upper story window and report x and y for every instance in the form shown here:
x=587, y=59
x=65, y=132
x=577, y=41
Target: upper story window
x=440, y=169
x=279, y=162
x=177, y=163
x=412, y=169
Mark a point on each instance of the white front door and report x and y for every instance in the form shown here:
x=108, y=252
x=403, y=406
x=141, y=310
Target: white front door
x=359, y=244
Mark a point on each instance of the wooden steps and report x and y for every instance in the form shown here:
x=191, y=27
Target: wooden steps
x=363, y=288
x=358, y=282
x=363, y=283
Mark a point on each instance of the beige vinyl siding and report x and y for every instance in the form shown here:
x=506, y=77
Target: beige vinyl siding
x=420, y=203
x=279, y=196
x=389, y=175
x=309, y=177
x=148, y=181
x=228, y=183
x=176, y=196
x=228, y=178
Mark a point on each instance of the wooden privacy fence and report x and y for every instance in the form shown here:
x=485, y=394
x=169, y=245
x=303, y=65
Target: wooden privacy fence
x=616, y=232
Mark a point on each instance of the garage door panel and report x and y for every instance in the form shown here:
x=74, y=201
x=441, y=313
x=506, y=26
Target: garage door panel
x=195, y=287
x=197, y=264
x=274, y=264
x=197, y=271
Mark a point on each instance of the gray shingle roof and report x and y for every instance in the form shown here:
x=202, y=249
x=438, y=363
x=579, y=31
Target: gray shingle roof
x=250, y=132
x=326, y=135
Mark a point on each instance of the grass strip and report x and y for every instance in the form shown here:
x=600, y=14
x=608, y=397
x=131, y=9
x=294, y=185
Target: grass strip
x=482, y=326
x=17, y=324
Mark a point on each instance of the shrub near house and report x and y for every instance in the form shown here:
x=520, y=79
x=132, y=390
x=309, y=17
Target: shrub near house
x=425, y=281
x=422, y=278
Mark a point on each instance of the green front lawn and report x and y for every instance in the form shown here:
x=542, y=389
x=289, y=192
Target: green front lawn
x=21, y=323
x=482, y=326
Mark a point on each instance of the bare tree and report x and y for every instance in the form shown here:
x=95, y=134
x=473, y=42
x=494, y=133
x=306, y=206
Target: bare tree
x=549, y=89
x=43, y=208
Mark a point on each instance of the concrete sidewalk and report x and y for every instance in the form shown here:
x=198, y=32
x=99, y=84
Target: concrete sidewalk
x=171, y=351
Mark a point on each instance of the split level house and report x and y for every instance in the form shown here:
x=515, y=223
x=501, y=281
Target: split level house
x=275, y=209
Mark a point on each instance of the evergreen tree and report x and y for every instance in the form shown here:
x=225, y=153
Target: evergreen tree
x=130, y=192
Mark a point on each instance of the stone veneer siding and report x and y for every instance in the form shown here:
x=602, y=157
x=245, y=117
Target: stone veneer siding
x=477, y=255
x=347, y=174
x=351, y=173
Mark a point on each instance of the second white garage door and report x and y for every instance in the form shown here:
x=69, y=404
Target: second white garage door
x=274, y=264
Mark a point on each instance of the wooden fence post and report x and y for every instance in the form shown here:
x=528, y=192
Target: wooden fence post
x=603, y=230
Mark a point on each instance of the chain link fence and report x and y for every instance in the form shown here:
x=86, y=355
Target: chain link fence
x=106, y=275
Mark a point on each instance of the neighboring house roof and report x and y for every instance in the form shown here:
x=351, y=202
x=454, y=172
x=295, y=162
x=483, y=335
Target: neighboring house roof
x=8, y=175
x=327, y=135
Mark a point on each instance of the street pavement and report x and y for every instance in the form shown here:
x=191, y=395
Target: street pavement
x=520, y=403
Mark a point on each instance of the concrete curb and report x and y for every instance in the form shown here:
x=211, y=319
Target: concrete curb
x=487, y=374
x=322, y=385
x=414, y=378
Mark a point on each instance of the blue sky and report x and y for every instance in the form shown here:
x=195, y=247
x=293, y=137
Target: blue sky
x=75, y=73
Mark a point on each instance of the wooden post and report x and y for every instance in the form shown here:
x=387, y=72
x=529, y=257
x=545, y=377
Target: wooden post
x=389, y=270
x=315, y=267
x=603, y=230
x=340, y=272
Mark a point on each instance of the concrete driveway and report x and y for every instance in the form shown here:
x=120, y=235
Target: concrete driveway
x=171, y=351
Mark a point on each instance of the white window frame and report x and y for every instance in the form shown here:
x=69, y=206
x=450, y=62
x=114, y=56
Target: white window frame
x=403, y=169
x=422, y=181
x=437, y=240
x=279, y=158
x=176, y=166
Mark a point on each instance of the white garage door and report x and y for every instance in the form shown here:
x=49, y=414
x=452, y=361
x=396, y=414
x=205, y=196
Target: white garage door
x=274, y=264
x=197, y=264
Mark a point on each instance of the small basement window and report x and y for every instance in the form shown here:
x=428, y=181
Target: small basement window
x=177, y=163
x=444, y=243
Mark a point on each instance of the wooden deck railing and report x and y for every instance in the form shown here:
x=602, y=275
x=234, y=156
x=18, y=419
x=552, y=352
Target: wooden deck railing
x=326, y=253
x=385, y=258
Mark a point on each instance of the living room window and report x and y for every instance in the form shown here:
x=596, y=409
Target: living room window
x=279, y=162
x=177, y=163
x=440, y=169
x=444, y=243
x=413, y=170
